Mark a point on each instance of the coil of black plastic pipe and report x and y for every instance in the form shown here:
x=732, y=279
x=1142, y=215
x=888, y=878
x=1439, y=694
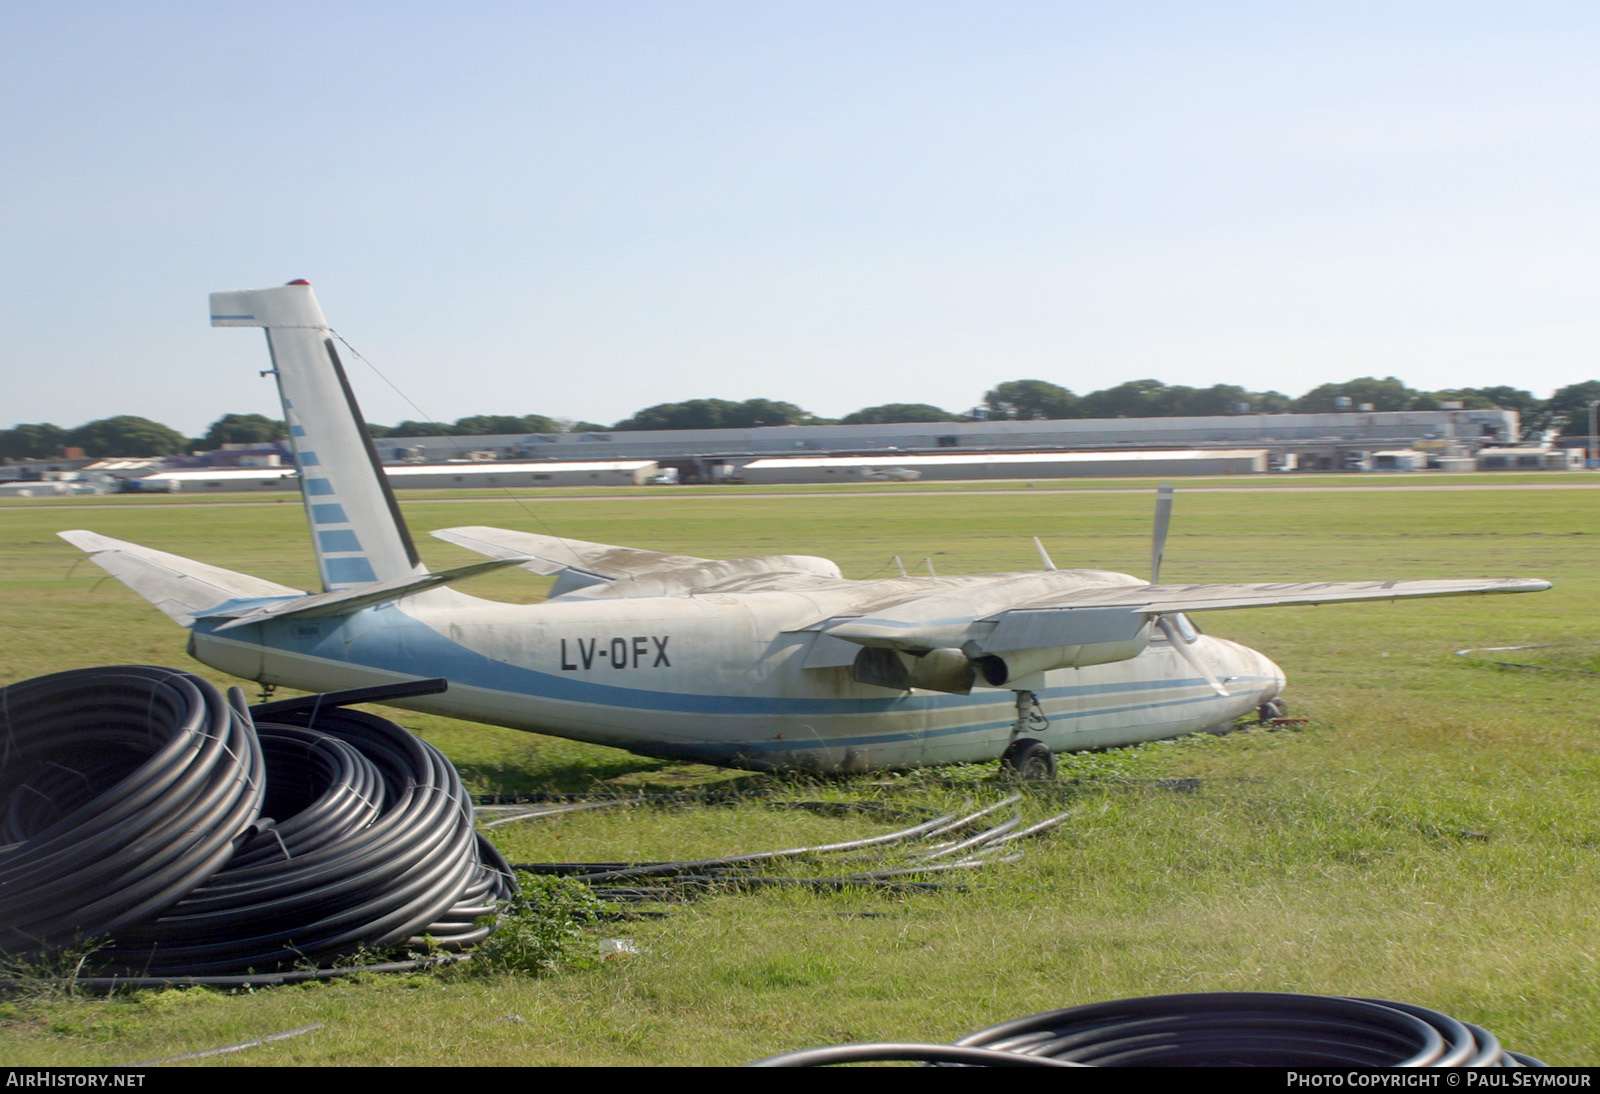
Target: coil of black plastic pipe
x=337, y=831
x=124, y=788
x=1211, y=1029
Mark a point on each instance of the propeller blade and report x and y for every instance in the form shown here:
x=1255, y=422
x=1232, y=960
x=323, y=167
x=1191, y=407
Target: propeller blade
x=1158, y=546
x=1185, y=652
x=1043, y=554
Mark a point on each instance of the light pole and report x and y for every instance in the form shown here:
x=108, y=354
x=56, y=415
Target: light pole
x=1590, y=462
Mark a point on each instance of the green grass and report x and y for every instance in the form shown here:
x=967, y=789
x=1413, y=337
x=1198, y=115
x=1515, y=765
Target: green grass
x=1430, y=836
x=1418, y=480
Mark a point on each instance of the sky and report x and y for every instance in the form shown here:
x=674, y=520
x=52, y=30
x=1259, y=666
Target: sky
x=581, y=209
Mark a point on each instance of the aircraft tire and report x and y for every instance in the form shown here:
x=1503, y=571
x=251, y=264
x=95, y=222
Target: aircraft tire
x=1029, y=760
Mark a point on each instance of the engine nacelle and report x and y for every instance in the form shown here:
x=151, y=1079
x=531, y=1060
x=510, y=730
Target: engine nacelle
x=937, y=670
x=1001, y=667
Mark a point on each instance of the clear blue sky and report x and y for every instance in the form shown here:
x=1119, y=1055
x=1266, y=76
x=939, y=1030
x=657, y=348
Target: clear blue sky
x=583, y=208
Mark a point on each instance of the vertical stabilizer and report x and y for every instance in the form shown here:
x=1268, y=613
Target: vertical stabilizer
x=356, y=527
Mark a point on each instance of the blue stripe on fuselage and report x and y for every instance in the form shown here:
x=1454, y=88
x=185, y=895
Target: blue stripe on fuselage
x=401, y=644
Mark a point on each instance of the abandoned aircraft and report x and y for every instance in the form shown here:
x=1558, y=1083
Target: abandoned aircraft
x=769, y=662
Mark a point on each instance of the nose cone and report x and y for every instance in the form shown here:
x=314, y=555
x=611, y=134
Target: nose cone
x=1250, y=669
x=1270, y=670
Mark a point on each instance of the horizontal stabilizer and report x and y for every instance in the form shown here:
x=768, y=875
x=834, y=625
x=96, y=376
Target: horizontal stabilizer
x=182, y=588
x=345, y=601
x=553, y=554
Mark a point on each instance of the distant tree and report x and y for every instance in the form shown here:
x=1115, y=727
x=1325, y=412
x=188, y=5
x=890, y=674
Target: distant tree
x=585, y=427
x=127, y=435
x=1213, y=401
x=1386, y=394
x=1175, y=401
x=1208, y=402
x=1270, y=402
x=409, y=428
x=1030, y=399
x=1505, y=397
x=483, y=425
x=758, y=412
x=480, y=425
x=1529, y=407
x=32, y=442
x=899, y=412
x=242, y=429
x=1567, y=411
x=1469, y=398
x=1134, y=399
x=694, y=414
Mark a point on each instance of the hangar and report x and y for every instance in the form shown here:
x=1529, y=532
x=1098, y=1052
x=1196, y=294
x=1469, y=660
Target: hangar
x=415, y=476
x=1011, y=465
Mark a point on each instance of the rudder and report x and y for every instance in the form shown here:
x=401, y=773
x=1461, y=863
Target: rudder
x=356, y=528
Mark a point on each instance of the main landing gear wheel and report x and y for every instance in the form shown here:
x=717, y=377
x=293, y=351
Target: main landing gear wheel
x=1029, y=760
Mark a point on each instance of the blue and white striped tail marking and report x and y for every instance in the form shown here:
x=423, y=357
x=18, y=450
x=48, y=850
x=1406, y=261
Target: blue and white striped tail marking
x=356, y=528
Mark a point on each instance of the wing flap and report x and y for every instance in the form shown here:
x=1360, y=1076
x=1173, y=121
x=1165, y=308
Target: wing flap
x=1026, y=629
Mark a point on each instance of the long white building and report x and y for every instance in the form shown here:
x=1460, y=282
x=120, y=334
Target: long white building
x=1317, y=441
x=499, y=473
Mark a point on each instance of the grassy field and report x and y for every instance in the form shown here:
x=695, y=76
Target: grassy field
x=1430, y=835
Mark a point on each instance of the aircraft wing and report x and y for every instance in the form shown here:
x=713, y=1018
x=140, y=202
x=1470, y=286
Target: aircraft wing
x=601, y=569
x=553, y=554
x=1157, y=599
x=1112, y=614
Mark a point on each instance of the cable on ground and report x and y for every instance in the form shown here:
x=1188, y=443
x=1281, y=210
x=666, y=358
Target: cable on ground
x=1210, y=1029
x=919, y=848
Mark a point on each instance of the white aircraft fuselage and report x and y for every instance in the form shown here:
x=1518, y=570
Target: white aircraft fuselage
x=721, y=678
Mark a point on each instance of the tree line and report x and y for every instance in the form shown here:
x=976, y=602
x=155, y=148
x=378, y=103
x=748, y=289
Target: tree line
x=1566, y=412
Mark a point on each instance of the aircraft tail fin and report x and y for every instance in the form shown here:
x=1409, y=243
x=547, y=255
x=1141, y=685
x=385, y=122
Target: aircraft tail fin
x=181, y=587
x=356, y=528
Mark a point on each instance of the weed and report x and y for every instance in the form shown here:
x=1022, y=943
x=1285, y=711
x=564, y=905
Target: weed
x=541, y=929
x=51, y=976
